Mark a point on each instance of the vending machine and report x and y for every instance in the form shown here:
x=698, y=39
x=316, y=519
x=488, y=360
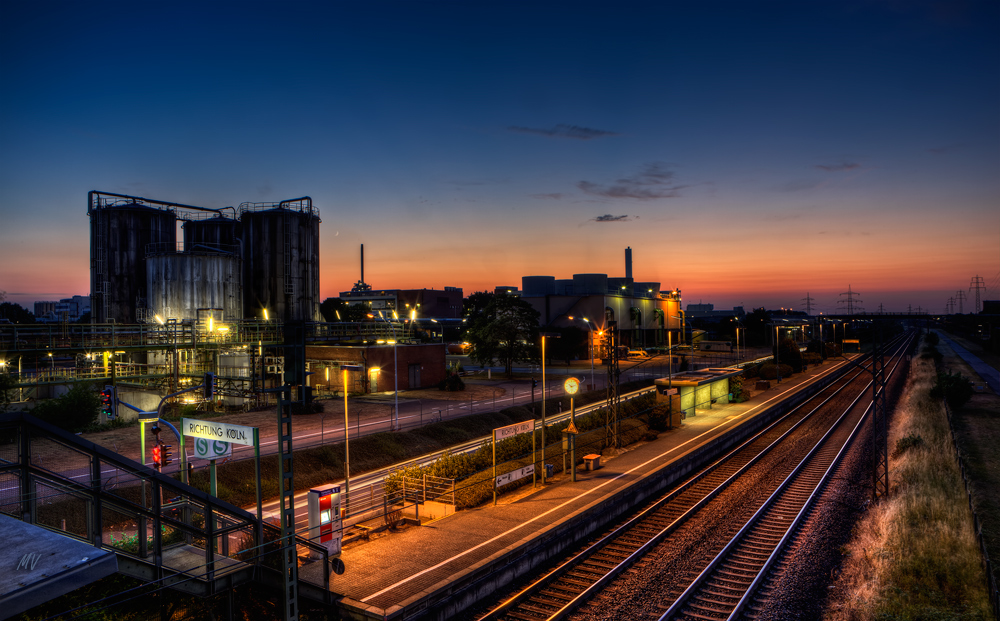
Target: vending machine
x=325, y=526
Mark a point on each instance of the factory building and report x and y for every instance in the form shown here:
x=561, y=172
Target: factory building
x=644, y=315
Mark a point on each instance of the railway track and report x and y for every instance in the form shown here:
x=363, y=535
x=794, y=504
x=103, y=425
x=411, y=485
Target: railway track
x=573, y=582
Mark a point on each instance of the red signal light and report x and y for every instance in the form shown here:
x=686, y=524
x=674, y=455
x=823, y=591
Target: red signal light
x=157, y=455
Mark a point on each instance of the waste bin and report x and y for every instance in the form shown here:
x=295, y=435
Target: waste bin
x=548, y=471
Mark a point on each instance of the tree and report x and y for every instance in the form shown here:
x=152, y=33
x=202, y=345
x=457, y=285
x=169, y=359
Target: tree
x=789, y=354
x=505, y=331
x=73, y=411
x=16, y=313
x=474, y=305
x=8, y=386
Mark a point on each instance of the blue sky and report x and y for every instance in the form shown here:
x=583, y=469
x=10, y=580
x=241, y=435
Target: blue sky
x=748, y=152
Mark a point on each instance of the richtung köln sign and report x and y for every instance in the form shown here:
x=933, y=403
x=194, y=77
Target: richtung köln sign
x=238, y=434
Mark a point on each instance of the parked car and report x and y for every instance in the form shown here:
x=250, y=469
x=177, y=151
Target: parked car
x=638, y=353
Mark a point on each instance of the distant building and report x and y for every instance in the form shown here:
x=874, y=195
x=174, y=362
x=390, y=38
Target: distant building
x=644, y=315
x=66, y=309
x=429, y=303
x=45, y=310
x=708, y=312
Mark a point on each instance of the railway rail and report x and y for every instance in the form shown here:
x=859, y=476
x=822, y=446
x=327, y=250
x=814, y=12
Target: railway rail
x=576, y=580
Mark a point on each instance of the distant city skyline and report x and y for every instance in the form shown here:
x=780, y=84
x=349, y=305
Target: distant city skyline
x=749, y=153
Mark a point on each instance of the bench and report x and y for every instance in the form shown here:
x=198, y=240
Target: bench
x=762, y=385
x=592, y=462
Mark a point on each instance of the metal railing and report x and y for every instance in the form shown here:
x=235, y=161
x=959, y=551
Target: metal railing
x=52, y=479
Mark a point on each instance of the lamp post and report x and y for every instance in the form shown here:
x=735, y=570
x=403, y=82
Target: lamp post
x=347, y=447
x=777, y=351
x=394, y=421
x=590, y=326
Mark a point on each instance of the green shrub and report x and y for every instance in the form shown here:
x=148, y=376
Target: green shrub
x=769, y=371
x=931, y=352
x=73, y=411
x=659, y=418
x=906, y=443
x=954, y=388
x=452, y=383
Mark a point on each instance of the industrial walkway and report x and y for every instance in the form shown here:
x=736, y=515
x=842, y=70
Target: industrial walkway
x=415, y=570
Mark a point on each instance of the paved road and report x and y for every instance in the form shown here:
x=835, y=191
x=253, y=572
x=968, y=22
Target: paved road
x=990, y=375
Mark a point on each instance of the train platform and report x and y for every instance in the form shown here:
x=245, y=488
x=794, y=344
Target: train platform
x=441, y=567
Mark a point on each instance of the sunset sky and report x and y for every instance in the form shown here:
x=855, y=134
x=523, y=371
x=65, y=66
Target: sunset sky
x=748, y=152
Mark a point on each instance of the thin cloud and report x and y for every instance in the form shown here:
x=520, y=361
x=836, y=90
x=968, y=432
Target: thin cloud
x=551, y=196
x=945, y=150
x=845, y=167
x=565, y=131
x=800, y=185
x=609, y=218
x=655, y=181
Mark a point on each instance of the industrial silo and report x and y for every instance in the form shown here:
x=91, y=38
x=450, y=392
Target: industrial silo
x=121, y=232
x=181, y=283
x=537, y=286
x=280, y=260
x=590, y=284
x=216, y=232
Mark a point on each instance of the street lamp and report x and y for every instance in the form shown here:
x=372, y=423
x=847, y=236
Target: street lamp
x=394, y=420
x=590, y=326
x=347, y=447
x=777, y=351
x=442, y=330
x=543, y=335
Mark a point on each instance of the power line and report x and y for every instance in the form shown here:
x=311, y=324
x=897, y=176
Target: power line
x=850, y=301
x=808, y=300
x=960, y=296
x=977, y=284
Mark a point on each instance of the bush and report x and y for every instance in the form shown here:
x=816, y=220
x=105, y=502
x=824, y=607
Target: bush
x=931, y=352
x=906, y=443
x=769, y=371
x=73, y=411
x=659, y=418
x=954, y=388
x=932, y=339
x=738, y=389
x=452, y=383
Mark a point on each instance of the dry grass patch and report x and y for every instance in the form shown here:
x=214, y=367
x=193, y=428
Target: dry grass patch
x=914, y=555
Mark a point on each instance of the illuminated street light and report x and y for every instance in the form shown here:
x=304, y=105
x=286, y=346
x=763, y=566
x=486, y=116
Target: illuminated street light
x=593, y=386
x=394, y=422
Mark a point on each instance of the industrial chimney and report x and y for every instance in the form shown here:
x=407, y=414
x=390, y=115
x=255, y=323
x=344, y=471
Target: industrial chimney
x=628, y=264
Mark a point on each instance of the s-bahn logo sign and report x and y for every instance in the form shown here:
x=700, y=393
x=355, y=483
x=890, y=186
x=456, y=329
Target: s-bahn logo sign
x=212, y=449
x=210, y=430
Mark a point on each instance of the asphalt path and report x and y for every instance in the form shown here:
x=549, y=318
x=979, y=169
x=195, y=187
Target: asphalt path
x=990, y=375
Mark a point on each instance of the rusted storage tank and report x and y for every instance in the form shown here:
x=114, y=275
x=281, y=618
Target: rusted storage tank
x=280, y=260
x=120, y=234
x=180, y=283
x=217, y=232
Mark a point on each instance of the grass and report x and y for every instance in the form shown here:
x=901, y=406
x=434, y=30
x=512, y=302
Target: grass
x=914, y=554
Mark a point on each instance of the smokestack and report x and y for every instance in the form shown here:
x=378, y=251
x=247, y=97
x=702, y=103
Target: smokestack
x=628, y=264
x=362, y=262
